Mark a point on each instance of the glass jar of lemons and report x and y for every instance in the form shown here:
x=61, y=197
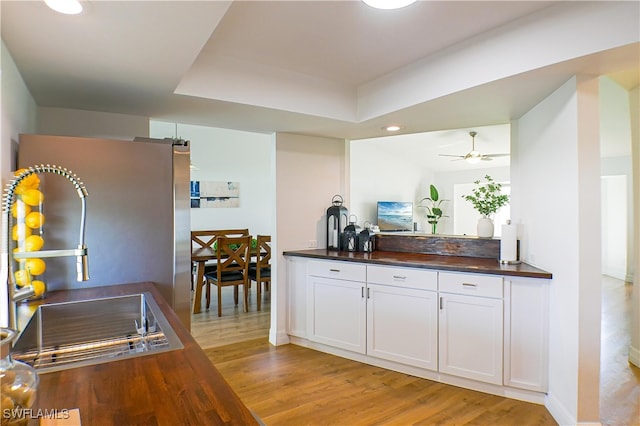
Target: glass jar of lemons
x=27, y=232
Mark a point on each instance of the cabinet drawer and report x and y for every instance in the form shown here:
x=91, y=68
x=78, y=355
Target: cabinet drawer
x=471, y=284
x=339, y=270
x=420, y=279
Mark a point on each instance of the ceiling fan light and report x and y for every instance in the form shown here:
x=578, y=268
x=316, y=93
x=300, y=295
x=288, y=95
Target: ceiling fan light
x=68, y=7
x=388, y=4
x=473, y=157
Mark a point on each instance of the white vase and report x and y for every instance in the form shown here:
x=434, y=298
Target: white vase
x=485, y=227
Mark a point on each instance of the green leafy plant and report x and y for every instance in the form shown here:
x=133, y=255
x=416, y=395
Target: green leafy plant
x=487, y=197
x=434, y=211
x=254, y=245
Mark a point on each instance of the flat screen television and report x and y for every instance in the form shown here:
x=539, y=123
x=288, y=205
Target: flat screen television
x=395, y=216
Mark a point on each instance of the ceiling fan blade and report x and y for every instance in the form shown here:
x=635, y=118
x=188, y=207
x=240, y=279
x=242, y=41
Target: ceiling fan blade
x=447, y=155
x=496, y=155
x=485, y=158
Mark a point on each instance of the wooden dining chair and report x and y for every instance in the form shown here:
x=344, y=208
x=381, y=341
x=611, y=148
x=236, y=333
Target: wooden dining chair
x=232, y=268
x=207, y=239
x=261, y=272
x=201, y=239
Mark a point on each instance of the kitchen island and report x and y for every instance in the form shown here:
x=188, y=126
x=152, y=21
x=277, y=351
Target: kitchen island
x=167, y=388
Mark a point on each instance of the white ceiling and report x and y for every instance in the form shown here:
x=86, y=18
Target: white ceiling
x=288, y=66
x=425, y=149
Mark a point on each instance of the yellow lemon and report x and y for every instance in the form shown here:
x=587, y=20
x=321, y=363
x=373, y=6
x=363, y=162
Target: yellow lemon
x=33, y=243
x=22, y=278
x=32, y=180
x=19, y=209
x=34, y=220
x=39, y=287
x=33, y=197
x=35, y=266
x=20, y=231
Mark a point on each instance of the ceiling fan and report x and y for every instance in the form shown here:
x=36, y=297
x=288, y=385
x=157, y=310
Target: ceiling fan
x=475, y=156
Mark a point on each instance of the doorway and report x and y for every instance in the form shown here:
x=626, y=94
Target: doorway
x=614, y=226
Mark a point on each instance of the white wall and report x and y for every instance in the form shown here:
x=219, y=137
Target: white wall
x=614, y=226
x=230, y=156
x=19, y=113
x=634, y=350
x=615, y=147
x=555, y=184
x=446, y=183
x=91, y=124
x=380, y=175
x=309, y=172
x=384, y=175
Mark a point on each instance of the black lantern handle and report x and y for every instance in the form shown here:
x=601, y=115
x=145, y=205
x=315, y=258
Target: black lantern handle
x=337, y=202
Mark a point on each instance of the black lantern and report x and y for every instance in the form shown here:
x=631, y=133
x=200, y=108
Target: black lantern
x=366, y=239
x=350, y=235
x=336, y=222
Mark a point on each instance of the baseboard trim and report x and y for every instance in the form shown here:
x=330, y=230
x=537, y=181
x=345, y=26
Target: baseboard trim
x=558, y=411
x=278, y=337
x=634, y=356
x=499, y=390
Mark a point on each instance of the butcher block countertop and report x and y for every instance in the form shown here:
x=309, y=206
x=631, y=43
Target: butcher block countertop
x=179, y=387
x=427, y=261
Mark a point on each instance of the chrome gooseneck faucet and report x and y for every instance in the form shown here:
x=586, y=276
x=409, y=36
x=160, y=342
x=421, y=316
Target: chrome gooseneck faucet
x=13, y=295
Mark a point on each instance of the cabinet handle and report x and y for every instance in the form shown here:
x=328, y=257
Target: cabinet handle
x=398, y=277
x=334, y=270
x=368, y=293
x=469, y=285
x=440, y=302
x=362, y=292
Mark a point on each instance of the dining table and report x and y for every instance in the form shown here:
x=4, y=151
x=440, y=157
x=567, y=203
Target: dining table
x=200, y=256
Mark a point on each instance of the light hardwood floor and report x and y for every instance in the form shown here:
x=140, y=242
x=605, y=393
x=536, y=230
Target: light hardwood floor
x=292, y=385
x=619, y=380
x=234, y=325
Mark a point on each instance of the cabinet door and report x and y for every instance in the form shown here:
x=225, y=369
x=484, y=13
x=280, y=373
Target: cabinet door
x=297, y=296
x=402, y=325
x=336, y=313
x=470, y=340
x=526, y=327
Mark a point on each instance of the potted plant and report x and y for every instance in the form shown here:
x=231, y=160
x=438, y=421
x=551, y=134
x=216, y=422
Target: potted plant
x=487, y=198
x=434, y=212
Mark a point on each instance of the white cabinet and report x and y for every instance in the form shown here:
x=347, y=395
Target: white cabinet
x=336, y=304
x=471, y=320
x=526, y=333
x=481, y=327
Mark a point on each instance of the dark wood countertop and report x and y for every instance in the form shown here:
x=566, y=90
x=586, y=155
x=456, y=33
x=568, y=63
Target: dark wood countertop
x=178, y=387
x=427, y=261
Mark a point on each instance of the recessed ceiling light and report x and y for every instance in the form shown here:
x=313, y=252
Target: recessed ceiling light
x=392, y=128
x=388, y=4
x=68, y=7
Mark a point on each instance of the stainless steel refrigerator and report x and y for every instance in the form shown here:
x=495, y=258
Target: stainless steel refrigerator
x=138, y=218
